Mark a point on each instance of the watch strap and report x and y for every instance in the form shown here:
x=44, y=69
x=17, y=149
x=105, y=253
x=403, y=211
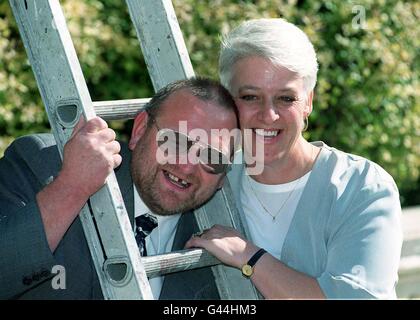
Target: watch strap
x=255, y=257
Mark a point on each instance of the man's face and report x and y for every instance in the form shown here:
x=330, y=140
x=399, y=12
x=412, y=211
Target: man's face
x=172, y=188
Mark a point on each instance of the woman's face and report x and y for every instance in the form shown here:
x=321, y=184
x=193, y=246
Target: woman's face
x=272, y=106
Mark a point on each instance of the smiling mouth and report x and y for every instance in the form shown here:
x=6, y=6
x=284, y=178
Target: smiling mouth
x=177, y=181
x=267, y=134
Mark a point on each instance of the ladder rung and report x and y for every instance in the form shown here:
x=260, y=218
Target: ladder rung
x=178, y=261
x=119, y=109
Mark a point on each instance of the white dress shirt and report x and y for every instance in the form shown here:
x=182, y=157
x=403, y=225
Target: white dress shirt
x=160, y=240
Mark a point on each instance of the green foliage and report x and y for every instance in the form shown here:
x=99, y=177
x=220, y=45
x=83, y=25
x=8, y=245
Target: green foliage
x=366, y=99
x=17, y=85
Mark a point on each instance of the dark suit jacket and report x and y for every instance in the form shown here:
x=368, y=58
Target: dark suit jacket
x=26, y=261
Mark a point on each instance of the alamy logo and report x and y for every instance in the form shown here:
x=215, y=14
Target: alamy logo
x=359, y=20
x=58, y=282
x=215, y=148
x=359, y=276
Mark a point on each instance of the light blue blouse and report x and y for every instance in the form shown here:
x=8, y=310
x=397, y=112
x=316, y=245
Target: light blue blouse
x=346, y=231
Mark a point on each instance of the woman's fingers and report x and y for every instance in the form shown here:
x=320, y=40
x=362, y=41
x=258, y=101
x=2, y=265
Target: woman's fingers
x=224, y=243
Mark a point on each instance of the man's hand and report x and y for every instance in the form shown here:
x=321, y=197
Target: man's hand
x=89, y=157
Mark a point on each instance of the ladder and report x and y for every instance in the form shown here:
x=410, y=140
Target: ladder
x=122, y=272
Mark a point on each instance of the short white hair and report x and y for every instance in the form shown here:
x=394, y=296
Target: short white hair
x=283, y=43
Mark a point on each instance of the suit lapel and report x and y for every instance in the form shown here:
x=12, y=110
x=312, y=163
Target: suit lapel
x=193, y=284
x=187, y=225
x=125, y=182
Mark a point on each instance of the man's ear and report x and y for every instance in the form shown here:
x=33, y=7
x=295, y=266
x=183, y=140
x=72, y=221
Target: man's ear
x=139, y=128
x=308, y=104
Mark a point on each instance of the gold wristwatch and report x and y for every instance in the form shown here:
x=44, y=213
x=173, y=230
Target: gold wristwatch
x=248, y=268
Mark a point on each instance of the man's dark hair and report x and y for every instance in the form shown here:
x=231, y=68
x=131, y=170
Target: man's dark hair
x=203, y=88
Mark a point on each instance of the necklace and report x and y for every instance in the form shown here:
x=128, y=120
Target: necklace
x=274, y=216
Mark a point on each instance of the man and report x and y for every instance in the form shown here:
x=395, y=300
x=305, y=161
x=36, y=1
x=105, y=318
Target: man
x=40, y=199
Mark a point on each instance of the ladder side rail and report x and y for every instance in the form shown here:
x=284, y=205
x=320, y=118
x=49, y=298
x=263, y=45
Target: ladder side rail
x=220, y=210
x=161, y=41
x=65, y=95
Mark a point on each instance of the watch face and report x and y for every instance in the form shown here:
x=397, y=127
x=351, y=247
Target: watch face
x=247, y=270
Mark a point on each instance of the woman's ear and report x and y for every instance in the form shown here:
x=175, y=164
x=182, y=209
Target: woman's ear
x=308, y=104
x=139, y=128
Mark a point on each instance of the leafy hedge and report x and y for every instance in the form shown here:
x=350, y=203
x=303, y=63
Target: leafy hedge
x=366, y=99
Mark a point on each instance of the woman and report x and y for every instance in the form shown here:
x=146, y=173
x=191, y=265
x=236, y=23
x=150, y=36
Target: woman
x=329, y=221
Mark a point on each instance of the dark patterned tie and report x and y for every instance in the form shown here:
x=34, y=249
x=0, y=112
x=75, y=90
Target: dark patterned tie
x=144, y=225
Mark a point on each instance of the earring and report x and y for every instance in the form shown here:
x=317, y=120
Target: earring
x=305, y=124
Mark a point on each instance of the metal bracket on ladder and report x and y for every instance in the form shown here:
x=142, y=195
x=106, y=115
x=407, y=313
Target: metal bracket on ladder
x=121, y=270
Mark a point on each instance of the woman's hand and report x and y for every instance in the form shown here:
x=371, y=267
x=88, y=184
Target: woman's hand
x=226, y=244
x=271, y=277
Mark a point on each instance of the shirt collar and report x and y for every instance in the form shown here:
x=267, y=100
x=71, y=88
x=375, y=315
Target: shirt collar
x=140, y=208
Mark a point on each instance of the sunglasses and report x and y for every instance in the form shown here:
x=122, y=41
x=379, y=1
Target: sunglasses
x=176, y=143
